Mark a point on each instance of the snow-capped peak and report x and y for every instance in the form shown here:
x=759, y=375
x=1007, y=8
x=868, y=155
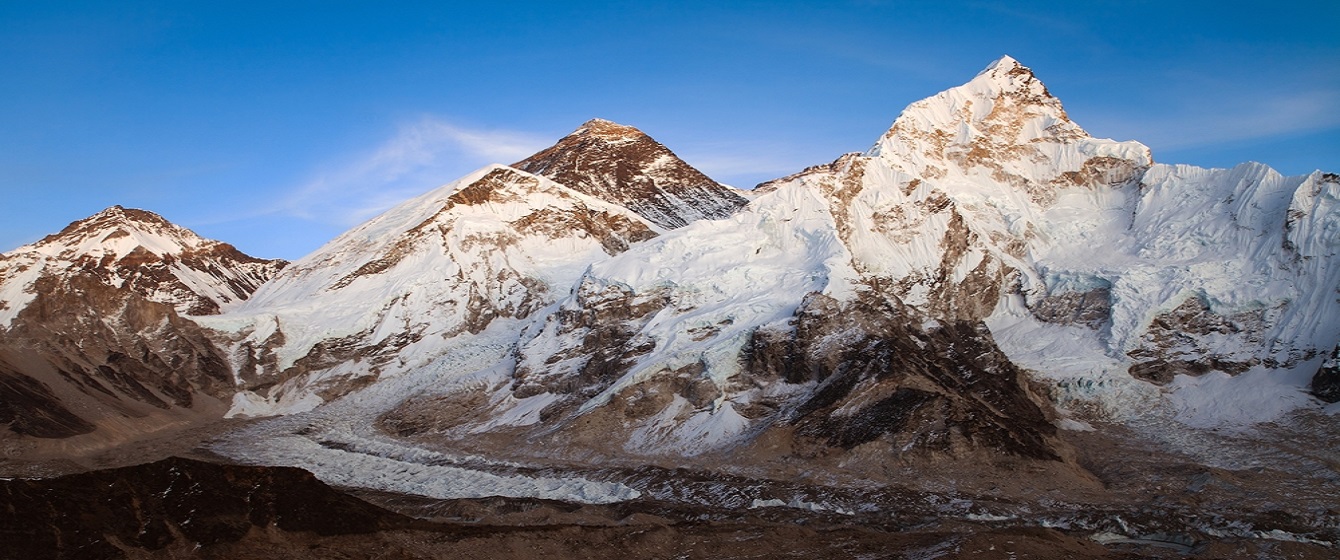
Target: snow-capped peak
x=138, y=250
x=1008, y=73
x=621, y=164
x=608, y=130
x=117, y=232
x=1005, y=60
x=1001, y=128
x=497, y=244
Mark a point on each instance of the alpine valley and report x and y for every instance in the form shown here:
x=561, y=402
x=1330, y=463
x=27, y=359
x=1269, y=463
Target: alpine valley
x=988, y=335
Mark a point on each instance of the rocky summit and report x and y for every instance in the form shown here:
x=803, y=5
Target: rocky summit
x=989, y=331
x=623, y=165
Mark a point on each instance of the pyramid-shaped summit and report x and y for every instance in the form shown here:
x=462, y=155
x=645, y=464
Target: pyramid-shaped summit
x=1001, y=128
x=623, y=165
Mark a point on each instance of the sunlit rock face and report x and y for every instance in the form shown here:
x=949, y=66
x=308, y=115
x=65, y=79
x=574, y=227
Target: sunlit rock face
x=623, y=165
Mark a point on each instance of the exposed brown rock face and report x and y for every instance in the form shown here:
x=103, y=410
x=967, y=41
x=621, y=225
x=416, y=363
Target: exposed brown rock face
x=1175, y=343
x=106, y=353
x=944, y=390
x=1091, y=309
x=29, y=408
x=621, y=164
x=1100, y=172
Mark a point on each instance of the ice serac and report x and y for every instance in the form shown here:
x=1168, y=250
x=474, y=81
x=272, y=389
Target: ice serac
x=96, y=327
x=623, y=165
x=498, y=244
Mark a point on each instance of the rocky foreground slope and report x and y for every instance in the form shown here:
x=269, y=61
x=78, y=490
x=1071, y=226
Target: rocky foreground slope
x=178, y=508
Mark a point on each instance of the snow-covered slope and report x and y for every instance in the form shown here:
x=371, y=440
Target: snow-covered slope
x=621, y=164
x=498, y=243
x=1113, y=266
x=502, y=242
x=893, y=297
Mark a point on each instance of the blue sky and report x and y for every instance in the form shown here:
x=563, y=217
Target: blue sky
x=275, y=126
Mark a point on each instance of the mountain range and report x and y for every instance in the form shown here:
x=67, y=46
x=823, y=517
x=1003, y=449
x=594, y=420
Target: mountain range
x=968, y=303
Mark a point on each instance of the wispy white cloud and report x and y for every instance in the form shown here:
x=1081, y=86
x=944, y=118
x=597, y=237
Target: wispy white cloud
x=421, y=155
x=1224, y=120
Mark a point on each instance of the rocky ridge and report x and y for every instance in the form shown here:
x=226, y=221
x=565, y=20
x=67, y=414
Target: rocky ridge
x=173, y=508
